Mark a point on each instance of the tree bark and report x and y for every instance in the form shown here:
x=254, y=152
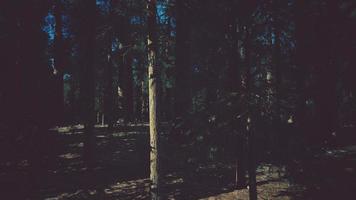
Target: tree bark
x=152, y=90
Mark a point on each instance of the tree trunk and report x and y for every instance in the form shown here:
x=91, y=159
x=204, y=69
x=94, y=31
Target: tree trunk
x=109, y=93
x=326, y=74
x=277, y=71
x=241, y=162
x=233, y=61
x=128, y=91
x=249, y=130
x=143, y=102
x=138, y=106
x=183, y=71
x=59, y=63
x=301, y=52
x=126, y=75
x=88, y=84
x=152, y=90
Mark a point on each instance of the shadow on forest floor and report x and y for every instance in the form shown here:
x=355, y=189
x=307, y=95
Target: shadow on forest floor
x=121, y=171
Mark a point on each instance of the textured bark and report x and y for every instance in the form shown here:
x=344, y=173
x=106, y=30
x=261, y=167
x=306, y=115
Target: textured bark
x=153, y=99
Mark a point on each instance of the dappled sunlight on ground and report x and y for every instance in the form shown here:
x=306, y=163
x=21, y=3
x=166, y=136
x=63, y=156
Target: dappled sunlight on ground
x=270, y=186
x=121, y=171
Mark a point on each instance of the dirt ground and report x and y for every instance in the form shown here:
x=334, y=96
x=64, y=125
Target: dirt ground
x=121, y=173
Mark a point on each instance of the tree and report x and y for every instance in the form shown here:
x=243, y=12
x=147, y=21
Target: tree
x=59, y=61
x=183, y=70
x=250, y=119
x=126, y=68
x=233, y=35
x=86, y=36
x=153, y=99
x=109, y=99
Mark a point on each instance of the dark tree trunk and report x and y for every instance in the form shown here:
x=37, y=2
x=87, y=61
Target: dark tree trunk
x=249, y=119
x=87, y=49
x=125, y=71
x=241, y=162
x=109, y=91
x=326, y=75
x=59, y=63
x=138, y=109
x=183, y=69
x=301, y=62
x=128, y=88
x=233, y=38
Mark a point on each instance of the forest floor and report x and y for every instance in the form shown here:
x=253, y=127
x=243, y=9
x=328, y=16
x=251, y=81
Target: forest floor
x=121, y=172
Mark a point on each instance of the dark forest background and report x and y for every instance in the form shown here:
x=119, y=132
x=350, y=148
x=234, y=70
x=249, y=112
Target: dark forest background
x=238, y=84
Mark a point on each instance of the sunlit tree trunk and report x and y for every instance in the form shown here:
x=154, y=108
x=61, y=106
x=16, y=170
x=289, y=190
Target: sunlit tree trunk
x=152, y=90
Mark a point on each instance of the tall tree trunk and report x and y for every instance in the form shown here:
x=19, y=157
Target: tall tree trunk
x=152, y=89
x=109, y=107
x=138, y=105
x=276, y=59
x=326, y=74
x=183, y=71
x=59, y=63
x=88, y=84
x=279, y=143
x=301, y=21
x=109, y=93
x=249, y=118
x=144, y=106
x=126, y=74
x=233, y=38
